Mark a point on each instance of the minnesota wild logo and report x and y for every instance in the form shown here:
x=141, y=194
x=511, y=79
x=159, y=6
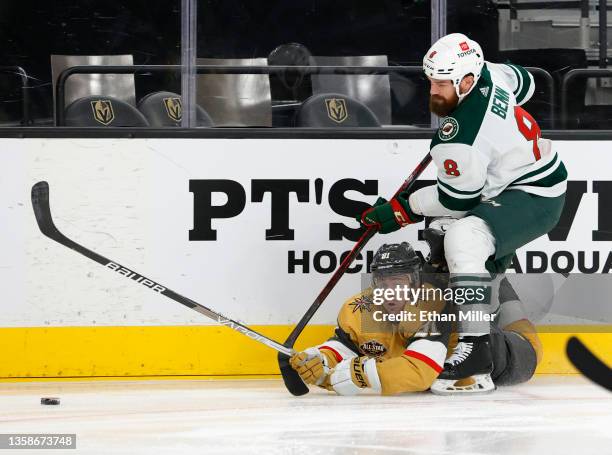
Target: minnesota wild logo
x=336, y=109
x=174, y=108
x=448, y=129
x=103, y=111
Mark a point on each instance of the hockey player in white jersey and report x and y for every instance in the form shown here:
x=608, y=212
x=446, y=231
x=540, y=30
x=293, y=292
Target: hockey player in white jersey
x=495, y=172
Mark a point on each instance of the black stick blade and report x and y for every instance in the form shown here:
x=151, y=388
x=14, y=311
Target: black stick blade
x=292, y=380
x=589, y=365
x=40, y=194
x=42, y=211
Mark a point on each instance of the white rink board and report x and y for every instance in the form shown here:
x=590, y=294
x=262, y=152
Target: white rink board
x=129, y=200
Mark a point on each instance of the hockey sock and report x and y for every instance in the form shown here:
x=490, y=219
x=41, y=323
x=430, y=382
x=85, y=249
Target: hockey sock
x=472, y=295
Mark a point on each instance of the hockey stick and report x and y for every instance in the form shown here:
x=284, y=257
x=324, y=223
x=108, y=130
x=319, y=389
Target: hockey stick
x=42, y=212
x=589, y=365
x=292, y=380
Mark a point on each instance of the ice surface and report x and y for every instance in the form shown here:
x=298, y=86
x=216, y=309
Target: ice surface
x=554, y=414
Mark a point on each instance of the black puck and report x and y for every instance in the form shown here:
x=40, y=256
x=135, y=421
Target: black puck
x=49, y=401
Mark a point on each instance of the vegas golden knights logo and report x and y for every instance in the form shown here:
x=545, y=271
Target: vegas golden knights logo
x=336, y=109
x=103, y=111
x=174, y=108
x=361, y=304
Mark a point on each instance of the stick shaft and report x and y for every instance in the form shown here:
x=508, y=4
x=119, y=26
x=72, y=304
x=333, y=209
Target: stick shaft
x=292, y=380
x=42, y=211
x=588, y=364
x=348, y=260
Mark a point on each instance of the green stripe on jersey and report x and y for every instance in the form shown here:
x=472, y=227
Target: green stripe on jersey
x=453, y=203
x=524, y=82
x=541, y=170
x=455, y=190
x=480, y=285
x=559, y=175
x=458, y=278
x=519, y=79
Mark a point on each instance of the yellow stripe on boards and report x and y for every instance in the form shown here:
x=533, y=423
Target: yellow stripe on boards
x=188, y=351
x=554, y=339
x=142, y=351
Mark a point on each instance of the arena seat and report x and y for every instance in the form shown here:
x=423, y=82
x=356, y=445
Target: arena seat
x=410, y=100
x=235, y=99
x=118, y=86
x=165, y=109
x=557, y=62
x=289, y=88
x=374, y=90
x=103, y=111
x=334, y=110
x=291, y=83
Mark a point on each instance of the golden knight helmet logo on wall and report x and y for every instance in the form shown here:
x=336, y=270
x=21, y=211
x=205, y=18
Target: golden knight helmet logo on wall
x=336, y=109
x=174, y=108
x=103, y=111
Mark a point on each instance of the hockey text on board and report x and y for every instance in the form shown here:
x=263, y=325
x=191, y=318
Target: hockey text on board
x=277, y=197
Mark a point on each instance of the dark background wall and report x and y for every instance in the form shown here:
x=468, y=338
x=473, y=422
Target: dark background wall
x=30, y=31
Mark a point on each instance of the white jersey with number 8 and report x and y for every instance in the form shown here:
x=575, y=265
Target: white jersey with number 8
x=490, y=144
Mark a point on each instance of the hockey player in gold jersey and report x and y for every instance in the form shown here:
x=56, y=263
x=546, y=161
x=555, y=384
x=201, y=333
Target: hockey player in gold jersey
x=400, y=345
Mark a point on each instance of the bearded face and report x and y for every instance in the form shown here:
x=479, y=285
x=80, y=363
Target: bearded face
x=443, y=98
x=442, y=106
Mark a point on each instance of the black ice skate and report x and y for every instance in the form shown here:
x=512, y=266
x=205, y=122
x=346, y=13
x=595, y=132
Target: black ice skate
x=468, y=369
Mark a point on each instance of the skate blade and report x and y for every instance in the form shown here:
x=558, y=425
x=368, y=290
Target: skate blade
x=477, y=385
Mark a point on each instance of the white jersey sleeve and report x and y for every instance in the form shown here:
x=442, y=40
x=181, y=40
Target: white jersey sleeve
x=425, y=201
x=517, y=78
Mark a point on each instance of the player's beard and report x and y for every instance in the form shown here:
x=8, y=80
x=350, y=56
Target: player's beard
x=442, y=106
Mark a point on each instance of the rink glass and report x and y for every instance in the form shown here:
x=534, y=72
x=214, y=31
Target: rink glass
x=550, y=40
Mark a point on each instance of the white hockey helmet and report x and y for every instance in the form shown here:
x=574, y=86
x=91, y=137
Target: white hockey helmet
x=453, y=57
